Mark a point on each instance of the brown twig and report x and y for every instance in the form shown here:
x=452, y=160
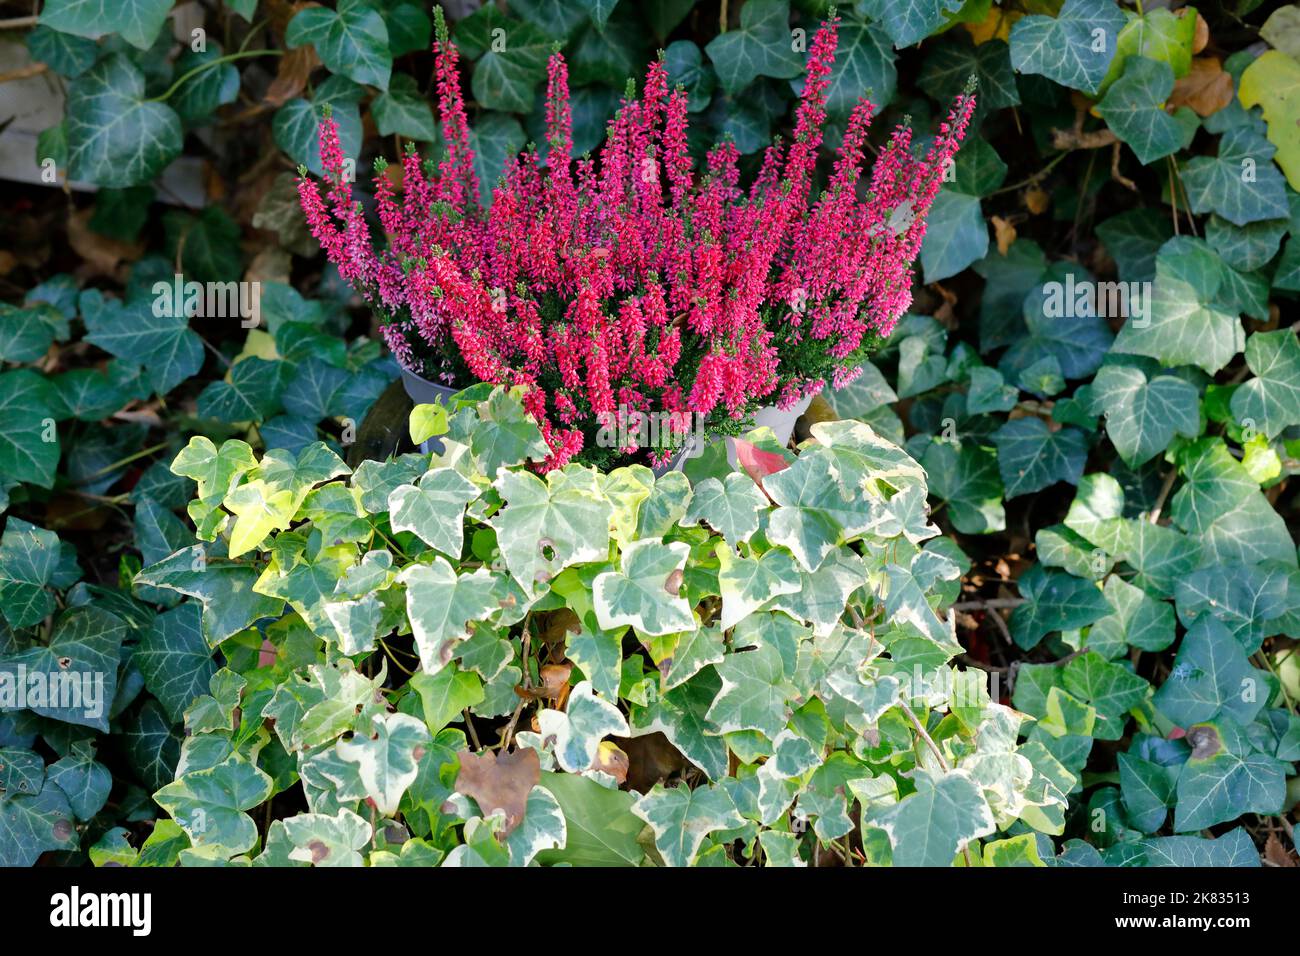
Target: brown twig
x=31, y=69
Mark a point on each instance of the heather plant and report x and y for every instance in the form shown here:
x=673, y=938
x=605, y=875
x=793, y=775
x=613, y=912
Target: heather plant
x=630, y=284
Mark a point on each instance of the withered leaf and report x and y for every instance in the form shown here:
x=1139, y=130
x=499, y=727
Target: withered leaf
x=497, y=781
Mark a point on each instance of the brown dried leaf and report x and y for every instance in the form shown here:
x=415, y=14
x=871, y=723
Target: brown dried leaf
x=1276, y=853
x=555, y=680
x=1202, y=35
x=1036, y=200
x=611, y=760
x=1004, y=232
x=1206, y=89
x=497, y=781
x=102, y=256
x=291, y=75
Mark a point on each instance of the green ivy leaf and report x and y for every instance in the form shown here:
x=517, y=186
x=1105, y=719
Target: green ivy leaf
x=1241, y=183
x=138, y=22
x=909, y=21
x=1133, y=108
x=174, y=659
x=31, y=824
x=402, y=110
x=1142, y=416
x=1272, y=399
x=115, y=136
x=1031, y=457
x=1055, y=601
x=29, y=442
x=507, y=65
x=352, y=41
x=760, y=47
x=83, y=655
x=1224, y=778
x=965, y=475
x=1074, y=48
x=1211, y=677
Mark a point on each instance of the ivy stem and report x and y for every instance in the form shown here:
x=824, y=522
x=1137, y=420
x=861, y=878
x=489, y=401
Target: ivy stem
x=128, y=459
x=189, y=74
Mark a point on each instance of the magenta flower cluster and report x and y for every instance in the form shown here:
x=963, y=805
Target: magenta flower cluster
x=638, y=282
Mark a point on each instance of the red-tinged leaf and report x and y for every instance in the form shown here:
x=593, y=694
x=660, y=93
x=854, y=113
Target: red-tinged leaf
x=758, y=464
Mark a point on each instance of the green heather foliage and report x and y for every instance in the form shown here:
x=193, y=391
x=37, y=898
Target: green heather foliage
x=1027, y=592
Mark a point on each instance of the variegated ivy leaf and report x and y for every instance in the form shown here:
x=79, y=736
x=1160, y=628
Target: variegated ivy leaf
x=386, y=759
x=821, y=597
x=259, y=509
x=694, y=650
x=813, y=515
x=646, y=592
x=681, y=716
x=780, y=849
x=543, y=828
x=682, y=818
x=931, y=826
x=730, y=507
x=865, y=461
x=323, y=840
x=210, y=804
x=434, y=508
x=215, y=470
x=907, y=603
x=746, y=584
x=216, y=710
x=667, y=505
x=356, y=623
x=499, y=432
x=871, y=696
x=626, y=489
x=578, y=730
x=755, y=693
x=442, y=605
x=546, y=526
